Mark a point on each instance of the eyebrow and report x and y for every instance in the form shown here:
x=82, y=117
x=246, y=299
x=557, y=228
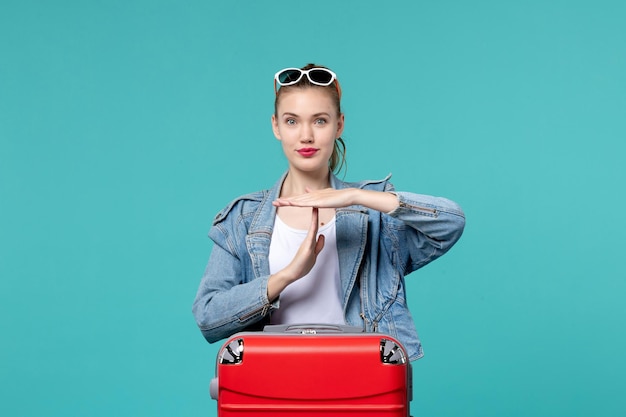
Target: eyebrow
x=315, y=115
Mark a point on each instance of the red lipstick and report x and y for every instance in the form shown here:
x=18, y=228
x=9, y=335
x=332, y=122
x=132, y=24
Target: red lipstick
x=307, y=152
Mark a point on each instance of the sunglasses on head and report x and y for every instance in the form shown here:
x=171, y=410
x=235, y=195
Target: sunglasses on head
x=318, y=76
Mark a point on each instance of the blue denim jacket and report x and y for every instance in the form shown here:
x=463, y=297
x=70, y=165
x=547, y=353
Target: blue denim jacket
x=376, y=251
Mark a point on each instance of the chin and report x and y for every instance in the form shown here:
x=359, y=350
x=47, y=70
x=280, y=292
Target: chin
x=322, y=169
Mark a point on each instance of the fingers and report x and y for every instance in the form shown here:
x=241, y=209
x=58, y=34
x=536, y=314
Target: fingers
x=326, y=198
x=315, y=218
x=280, y=202
x=319, y=244
x=306, y=256
x=313, y=229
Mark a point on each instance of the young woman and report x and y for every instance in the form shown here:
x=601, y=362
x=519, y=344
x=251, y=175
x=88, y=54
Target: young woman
x=315, y=249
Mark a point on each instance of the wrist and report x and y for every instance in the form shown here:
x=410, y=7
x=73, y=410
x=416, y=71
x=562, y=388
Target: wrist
x=382, y=201
x=276, y=283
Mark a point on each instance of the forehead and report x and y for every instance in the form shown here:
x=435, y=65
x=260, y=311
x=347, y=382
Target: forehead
x=306, y=100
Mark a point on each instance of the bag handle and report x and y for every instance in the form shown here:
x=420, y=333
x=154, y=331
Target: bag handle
x=315, y=328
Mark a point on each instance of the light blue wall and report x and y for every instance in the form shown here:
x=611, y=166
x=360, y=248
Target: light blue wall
x=126, y=125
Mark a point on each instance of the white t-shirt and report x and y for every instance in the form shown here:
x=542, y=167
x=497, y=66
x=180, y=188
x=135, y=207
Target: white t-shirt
x=313, y=298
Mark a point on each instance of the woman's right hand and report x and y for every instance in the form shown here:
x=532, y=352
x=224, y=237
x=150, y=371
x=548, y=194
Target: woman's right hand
x=302, y=262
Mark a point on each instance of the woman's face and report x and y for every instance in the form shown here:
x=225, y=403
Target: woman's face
x=307, y=125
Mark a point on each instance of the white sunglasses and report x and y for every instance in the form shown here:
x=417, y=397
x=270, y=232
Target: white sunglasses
x=318, y=76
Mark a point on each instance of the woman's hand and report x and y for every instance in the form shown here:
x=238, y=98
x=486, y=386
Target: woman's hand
x=305, y=258
x=325, y=198
x=302, y=262
x=330, y=198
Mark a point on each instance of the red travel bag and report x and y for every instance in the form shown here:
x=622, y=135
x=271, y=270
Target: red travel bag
x=312, y=370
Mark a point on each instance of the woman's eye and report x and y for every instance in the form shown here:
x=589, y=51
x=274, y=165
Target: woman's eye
x=290, y=121
x=320, y=121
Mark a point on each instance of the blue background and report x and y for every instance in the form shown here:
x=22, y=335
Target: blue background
x=126, y=125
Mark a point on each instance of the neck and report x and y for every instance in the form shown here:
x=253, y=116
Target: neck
x=297, y=182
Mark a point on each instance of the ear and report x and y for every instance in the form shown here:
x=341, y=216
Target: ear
x=275, y=127
x=340, y=124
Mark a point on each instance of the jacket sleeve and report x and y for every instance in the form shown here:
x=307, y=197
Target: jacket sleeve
x=437, y=224
x=228, y=300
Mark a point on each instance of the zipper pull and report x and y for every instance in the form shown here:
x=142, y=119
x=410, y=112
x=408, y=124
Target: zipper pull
x=266, y=308
x=364, y=321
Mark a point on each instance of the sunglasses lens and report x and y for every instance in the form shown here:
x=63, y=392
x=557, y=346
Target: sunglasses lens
x=289, y=76
x=321, y=76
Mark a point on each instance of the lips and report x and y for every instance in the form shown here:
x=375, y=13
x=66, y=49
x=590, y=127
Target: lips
x=307, y=152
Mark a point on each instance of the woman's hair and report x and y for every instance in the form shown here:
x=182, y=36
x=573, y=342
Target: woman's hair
x=338, y=158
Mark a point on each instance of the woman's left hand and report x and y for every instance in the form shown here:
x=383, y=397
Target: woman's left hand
x=332, y=198
x=326, y=198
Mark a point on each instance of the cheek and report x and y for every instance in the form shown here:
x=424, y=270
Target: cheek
x=288, y=133
x=331, y=134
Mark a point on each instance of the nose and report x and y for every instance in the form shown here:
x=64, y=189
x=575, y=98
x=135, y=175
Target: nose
x=306, y=134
